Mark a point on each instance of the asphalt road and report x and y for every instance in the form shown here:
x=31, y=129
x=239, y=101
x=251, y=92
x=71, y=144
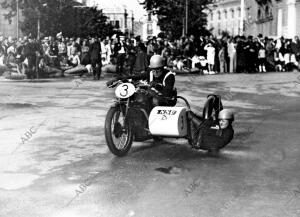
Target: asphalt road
x=54, y=161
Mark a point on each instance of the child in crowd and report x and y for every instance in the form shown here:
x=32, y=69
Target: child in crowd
x=279, y=60
x=262, y=59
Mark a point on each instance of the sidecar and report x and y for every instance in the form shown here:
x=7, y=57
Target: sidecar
x=174, y=121
x=122, y=126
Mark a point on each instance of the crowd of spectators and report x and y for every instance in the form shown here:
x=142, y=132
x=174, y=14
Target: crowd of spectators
x=63, y=56
x=239, y=54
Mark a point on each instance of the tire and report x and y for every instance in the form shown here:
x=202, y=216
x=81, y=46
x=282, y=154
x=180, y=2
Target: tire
x=115, y=130
x=157, y=138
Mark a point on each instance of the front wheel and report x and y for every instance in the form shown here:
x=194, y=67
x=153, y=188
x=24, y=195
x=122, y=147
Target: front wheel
x=118, y=132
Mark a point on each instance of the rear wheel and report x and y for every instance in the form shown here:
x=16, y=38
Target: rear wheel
x=118, y=132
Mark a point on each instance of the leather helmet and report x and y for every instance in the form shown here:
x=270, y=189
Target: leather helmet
x=156, y=61
x=226, y=114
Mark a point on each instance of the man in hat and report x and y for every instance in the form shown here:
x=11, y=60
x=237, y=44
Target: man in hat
x=95, y=56
x=59, y=35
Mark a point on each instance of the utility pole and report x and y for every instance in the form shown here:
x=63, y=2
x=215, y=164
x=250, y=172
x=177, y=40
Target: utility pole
x=17, y=19
x=38, y=24
x=242, y=17
x=185, y=19
x=186, y=16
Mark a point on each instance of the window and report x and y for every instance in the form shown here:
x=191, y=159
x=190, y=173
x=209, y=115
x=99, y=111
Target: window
x=149, y=29
x=232, y=13
x=117, y=24
x=258, y=14
x=239, y=12
x=121, y=24
x=267, y=11
x=270, y=12
x=212, y=16
x=149, y=17
x=225, y=14
x=219, y=15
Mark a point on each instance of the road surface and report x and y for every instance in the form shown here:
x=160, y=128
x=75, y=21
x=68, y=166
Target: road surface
x=54, y=161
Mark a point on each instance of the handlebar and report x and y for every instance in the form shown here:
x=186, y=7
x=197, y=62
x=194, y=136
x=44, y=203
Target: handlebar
x=114, y=83
x=135, y=83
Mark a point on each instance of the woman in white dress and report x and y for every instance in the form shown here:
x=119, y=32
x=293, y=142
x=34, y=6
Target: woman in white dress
x=210, y=56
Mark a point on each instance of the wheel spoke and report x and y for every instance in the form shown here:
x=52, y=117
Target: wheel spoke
x=120, y=141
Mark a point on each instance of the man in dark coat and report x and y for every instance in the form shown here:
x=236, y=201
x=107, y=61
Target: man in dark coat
x=295, y=46
x=120, y=50
x=95, y=57
x=241, y=54
x=251, y=55
x=31, y=50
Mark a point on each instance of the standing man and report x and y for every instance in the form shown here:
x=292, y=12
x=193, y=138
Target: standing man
x=120, y=52
x=30, y=52
x=295, y=46
x=95, y=55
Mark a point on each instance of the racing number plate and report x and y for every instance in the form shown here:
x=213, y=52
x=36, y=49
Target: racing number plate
x=125, y=90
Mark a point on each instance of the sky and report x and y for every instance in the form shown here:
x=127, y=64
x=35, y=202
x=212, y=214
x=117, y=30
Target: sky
x=130, y=5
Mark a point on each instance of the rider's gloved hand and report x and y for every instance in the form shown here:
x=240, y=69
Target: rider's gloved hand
x=108, y=83
x=155, y=85
x=153, y=92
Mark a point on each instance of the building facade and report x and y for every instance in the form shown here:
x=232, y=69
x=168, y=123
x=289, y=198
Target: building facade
x=121, y=19
x=276, y=18
x=118, y=15
x=224, y=15
x=149, y=27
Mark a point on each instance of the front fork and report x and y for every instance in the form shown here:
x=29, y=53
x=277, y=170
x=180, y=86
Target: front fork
x=123, y=108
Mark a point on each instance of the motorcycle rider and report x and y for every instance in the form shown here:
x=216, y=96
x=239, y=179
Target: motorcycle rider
x=161, y=81
x=213, y=134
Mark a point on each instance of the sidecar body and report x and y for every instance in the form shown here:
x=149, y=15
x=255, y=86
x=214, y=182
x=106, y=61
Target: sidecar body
x=168, y=121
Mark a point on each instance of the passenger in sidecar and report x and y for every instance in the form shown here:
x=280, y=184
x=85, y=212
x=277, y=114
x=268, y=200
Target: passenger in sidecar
x=212, y=135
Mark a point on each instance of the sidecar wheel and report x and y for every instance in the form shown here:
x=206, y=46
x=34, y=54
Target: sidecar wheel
x=118, y=132
x=157, y=138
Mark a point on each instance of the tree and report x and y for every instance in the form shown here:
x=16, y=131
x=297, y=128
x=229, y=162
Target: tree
x=171, y=15
x=58, y=16
x=93, y=22
x=264, y=2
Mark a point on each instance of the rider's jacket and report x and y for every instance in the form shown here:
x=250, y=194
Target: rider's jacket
x=215, y=139
x=164, y=84
x=210, y=138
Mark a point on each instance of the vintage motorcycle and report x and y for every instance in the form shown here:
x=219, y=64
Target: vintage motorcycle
x=134, y=116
